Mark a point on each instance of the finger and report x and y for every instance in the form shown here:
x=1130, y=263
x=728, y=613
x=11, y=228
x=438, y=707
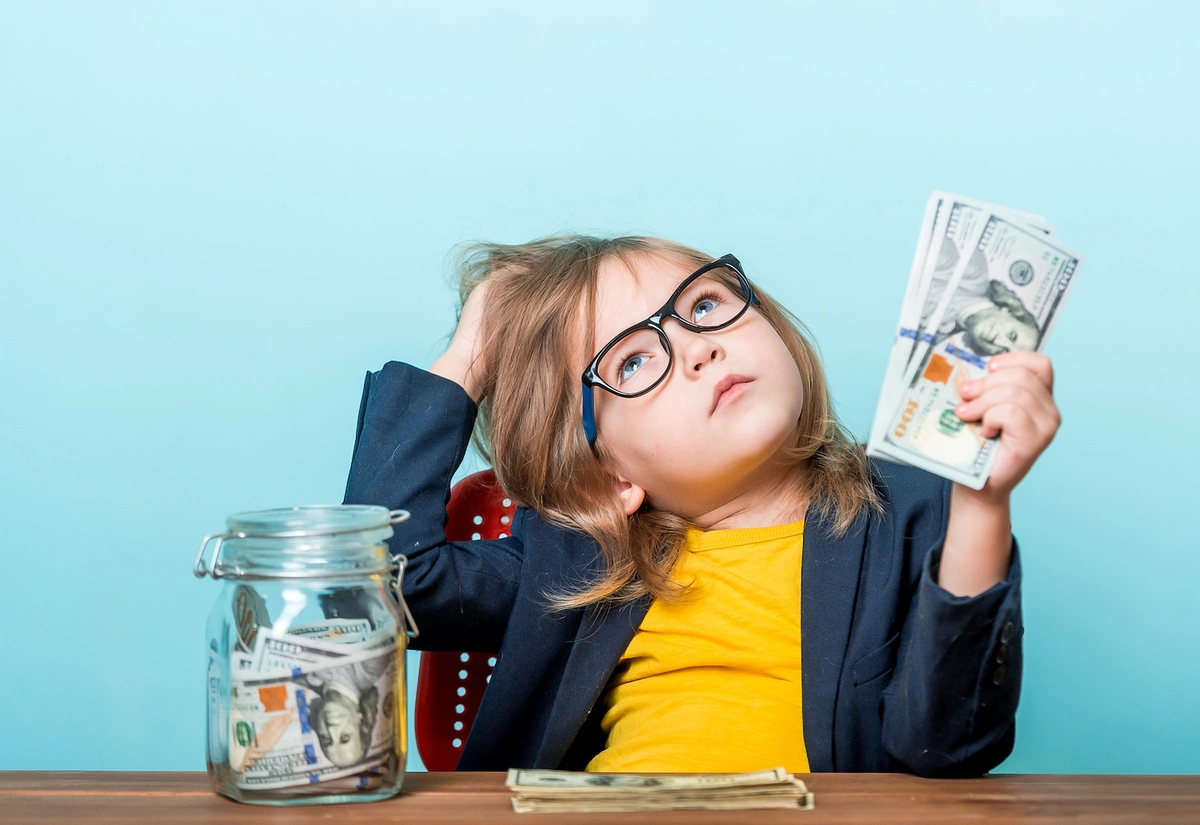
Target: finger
x=973, y=390
x=1021, y=431
x=1036, y=362
x=1036, y=401
x=1042, y=397
x=1019, y=374
x=1012, y=420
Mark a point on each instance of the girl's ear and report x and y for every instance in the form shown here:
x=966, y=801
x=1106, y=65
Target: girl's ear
x=630, y=494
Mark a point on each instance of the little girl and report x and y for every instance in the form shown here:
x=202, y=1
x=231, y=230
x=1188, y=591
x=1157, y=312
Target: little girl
x=705, y=573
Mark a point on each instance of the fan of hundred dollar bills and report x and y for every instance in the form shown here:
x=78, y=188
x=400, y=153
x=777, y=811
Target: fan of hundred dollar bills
x=984, y=280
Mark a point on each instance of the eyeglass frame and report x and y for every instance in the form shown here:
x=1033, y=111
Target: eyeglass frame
x=591, y=376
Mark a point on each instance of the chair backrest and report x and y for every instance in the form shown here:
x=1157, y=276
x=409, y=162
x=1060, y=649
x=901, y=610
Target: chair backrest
x=450, y=685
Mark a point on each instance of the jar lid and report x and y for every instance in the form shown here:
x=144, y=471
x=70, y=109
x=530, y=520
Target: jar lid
x=311, y=520
x=293, y=528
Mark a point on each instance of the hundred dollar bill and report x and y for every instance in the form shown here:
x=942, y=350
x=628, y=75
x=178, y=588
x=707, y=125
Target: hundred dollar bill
x=793, y=789
x=803, y=802
x=285, y=651
x=369, y=780
x=964, y=222
x=1004, y=296
x=575, y=782
x=312, y=714
x=341, y=631
x=565, y=791
x=952, y=224
x=935, y=211
x=790, y=789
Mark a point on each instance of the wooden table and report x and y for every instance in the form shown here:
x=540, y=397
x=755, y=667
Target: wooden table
x=132, y=798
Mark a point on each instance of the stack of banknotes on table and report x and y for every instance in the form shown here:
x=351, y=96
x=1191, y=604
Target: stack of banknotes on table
x=539, y=791
x=984, y=280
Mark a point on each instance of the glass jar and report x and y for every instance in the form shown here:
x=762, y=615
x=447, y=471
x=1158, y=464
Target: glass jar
x=307, y=694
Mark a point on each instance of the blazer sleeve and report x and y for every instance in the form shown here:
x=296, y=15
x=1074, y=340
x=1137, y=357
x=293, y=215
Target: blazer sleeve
x=951, y=706
x=413, y=431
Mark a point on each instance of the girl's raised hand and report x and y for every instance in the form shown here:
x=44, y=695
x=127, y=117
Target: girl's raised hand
x=1016, y=402
x=462, y=360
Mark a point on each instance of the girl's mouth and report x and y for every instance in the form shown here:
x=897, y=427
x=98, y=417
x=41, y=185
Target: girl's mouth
x=727, y=389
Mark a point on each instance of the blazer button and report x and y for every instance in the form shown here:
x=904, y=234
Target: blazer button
x=1002, y=655
x=1007, y=632
x=1000, y=674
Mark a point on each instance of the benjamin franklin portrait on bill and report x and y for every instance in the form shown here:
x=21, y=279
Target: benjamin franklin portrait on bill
x=343, y=715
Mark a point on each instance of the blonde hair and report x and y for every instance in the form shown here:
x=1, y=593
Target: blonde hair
x=529, y=428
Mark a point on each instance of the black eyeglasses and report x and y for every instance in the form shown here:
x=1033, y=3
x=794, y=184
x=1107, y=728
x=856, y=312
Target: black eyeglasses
x=638, y=359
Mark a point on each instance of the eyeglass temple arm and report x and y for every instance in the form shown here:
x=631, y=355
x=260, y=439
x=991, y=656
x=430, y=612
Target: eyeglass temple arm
x=731, y=258
x=589, y=414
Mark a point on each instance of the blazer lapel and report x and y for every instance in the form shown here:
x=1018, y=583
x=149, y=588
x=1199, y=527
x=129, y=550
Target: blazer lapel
x=828, y=588
x=603, y=636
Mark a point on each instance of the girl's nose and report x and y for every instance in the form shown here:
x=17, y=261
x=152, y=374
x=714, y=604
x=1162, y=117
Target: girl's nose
x=698, y=350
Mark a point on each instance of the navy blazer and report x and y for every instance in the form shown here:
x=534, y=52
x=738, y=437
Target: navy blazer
x=898, y=674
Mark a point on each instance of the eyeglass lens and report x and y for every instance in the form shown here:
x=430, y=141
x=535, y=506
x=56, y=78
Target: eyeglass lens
x=639, y=359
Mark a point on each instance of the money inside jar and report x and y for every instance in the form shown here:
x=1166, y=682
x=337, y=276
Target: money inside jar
x=306, y=710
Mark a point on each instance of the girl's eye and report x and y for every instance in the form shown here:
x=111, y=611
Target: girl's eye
x=1012, y=335
x=630, y=366
x=706, y=303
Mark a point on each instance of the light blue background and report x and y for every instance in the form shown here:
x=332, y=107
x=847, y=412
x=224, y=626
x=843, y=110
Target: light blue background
x=214, y=218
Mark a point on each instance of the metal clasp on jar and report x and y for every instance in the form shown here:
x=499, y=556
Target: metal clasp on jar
x=395, y=584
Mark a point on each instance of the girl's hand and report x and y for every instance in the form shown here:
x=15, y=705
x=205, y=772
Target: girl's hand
x=462, y=362
x=1016, y=402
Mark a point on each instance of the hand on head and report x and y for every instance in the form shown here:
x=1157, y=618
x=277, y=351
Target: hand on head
x=462, y=362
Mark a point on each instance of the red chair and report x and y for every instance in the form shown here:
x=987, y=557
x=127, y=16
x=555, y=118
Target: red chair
x=450, y=685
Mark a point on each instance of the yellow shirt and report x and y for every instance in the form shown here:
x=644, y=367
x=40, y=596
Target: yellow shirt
x=712, y=684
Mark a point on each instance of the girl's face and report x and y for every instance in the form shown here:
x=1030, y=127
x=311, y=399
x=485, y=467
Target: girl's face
x=681, y=447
